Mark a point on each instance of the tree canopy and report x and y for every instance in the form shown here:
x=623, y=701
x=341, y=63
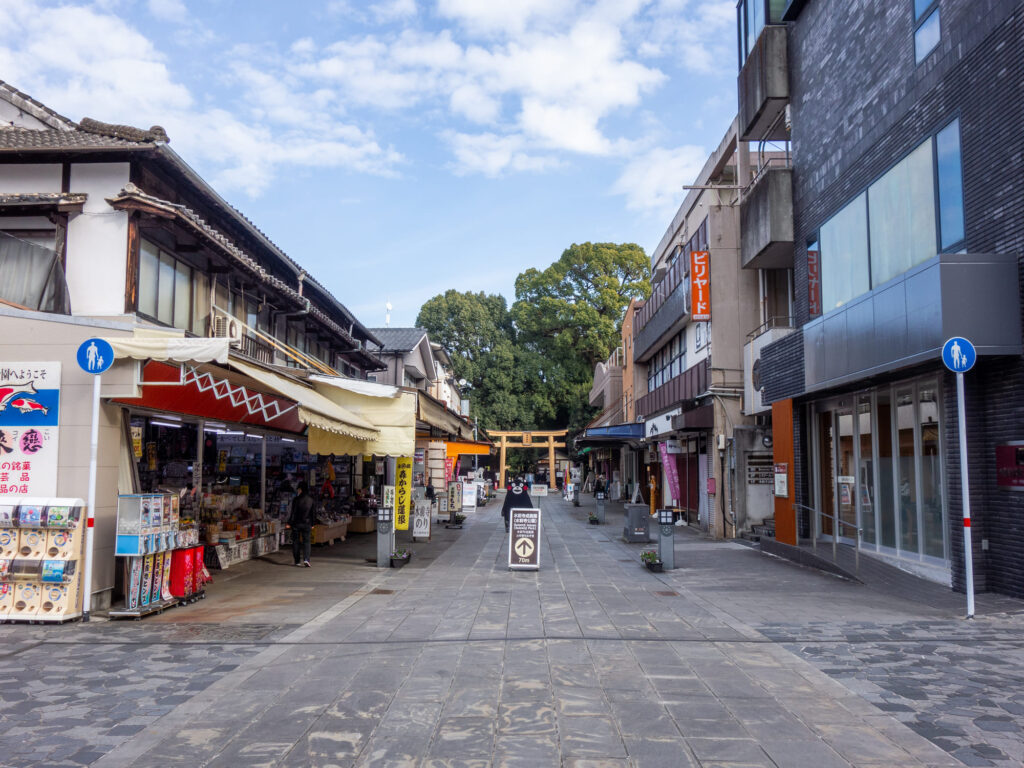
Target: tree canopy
x=530, y=366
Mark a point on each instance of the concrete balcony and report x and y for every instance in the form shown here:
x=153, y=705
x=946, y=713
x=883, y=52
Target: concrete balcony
x=764, y=87
x=906, y=321
x=607, y=388
x=766, y=218
x=688, y=385
x=664, y=313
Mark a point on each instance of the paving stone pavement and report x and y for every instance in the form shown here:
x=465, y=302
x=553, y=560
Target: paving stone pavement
x=732, y=660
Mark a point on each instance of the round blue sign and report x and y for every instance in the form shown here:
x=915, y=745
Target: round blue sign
x=95, y=356
x=959, y=355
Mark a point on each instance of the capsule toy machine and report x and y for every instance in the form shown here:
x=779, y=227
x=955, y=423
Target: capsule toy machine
x=6, y=598
x=50, y=548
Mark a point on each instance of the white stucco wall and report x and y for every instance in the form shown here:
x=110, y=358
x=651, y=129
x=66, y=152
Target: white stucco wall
x=11, y=115
x=98, y=241
x=30, y=177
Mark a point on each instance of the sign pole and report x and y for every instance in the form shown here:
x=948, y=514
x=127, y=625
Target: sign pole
x=90, y=520
x=965, y=495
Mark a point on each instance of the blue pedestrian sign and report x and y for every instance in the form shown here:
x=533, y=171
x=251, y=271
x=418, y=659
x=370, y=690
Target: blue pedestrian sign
x=95, y=356
x=958, y=354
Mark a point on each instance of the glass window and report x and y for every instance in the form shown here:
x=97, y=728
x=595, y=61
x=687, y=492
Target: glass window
x=222, y=297
x=927, y=36
x=932, y=527
x=182, y=295
x=951, y=187
x=844, y=255
x=866, y=471
x=920, y=6
x=906, y=468
x=251, y=313
x=200, y=301
x=886, y=473
x=902, y=216
x=149, y=268
x=165, y=290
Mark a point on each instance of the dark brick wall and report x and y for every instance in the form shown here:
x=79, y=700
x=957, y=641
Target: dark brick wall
x=782, y=368
x=859, y=103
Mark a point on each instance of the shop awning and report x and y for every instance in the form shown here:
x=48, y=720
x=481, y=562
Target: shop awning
x=392, y=412
x=177, y=349
x=470, y=448
x=314, y=409
x=618, y=434
x=437, y=415
x=695, y=420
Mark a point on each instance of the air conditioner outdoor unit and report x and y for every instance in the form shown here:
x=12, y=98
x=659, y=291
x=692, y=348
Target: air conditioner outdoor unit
x=224, y=326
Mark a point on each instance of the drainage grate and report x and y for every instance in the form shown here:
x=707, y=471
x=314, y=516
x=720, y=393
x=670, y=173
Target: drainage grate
x=667, y=593
x=383, y=592
x=628, y=560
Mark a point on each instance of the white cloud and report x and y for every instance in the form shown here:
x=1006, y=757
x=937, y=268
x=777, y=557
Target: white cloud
x=653, y=182
x=104, y=68
x=492, y=155
x=393, y=10
x=173, y=11
x=505, y=16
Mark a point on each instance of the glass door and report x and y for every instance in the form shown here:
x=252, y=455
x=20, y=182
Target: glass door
x=826, y=473
x=846, y=479
x=866, y=464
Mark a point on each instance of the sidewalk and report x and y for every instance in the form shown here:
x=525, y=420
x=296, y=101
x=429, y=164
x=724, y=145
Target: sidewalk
x=734, y=659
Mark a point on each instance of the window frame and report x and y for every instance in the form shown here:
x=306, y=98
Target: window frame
x=176, y=260
x=920, y=20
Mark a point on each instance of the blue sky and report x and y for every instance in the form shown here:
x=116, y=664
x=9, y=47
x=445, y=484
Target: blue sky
x=398, y=148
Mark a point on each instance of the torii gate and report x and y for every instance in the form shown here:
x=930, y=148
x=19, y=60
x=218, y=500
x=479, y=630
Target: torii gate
x=527, y=441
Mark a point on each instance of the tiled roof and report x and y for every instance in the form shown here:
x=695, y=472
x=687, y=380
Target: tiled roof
x=43, y=198
x=22, y=139
x=37, y=109
x=399, y=339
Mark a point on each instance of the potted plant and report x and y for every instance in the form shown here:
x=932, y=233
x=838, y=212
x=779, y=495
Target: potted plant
x=400, y=556
x=594, y=520
x=459, y=518
x=650, y=559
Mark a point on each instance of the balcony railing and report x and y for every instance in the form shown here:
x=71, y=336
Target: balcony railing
x=258, y=350
x=688, y=385
x=675, y=274
x=666, y=310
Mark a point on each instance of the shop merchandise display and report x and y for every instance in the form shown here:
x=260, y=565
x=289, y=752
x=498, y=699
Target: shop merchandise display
x=150, y=536
x=41, y=551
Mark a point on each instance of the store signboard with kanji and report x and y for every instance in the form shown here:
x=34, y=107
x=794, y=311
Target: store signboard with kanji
x=29, y=418
x=813, y=283
x=700, y=285
x=403, y=492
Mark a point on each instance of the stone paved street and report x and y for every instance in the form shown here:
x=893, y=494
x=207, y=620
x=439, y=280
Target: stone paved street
x=734, y=659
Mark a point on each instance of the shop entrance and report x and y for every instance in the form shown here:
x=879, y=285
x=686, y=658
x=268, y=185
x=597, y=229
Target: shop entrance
x=878, y=472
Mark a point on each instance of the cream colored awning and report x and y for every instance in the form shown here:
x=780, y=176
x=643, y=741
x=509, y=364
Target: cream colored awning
x=175, y=349
x=437, y=415
x=391, y=410
x=316, y=411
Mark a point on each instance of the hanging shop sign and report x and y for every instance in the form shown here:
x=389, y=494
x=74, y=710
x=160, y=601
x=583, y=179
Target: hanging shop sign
x=524, y=540
x=403, y=492
x=29, y=418
x=449, y=469
x=388, y=497
x=1010, y=466
x=700, y=285
x=661, y=424
x=454, y=497
x=137, y=442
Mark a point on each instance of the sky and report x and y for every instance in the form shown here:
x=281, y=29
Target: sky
x=399, y=148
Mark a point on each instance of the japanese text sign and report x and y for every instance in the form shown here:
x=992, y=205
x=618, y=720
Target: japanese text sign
x=403, y=492
x=524, y=539
x=700, y=285
x=814, y=283
x=29, y=417
x=388, y=497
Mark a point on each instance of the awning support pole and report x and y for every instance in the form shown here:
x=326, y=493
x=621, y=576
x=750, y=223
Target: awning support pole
x=90, y=521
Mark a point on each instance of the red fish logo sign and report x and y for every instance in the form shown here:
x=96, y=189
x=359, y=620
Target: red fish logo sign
x=10, y=392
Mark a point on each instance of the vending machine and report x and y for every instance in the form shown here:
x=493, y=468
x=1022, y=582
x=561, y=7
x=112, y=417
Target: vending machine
x=41, y=548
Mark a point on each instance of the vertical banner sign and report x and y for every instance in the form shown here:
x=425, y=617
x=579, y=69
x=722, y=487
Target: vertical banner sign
x=668, y=461
x=421, y=520
x=524, y=540
x=388, y=498
x=449, y=468
x=814, y=283
x=700, y=285
x=403, y=492
x=29, y=418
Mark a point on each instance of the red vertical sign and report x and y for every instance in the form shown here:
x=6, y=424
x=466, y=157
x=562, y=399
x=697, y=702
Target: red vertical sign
x=700, y=285
x=814, y=283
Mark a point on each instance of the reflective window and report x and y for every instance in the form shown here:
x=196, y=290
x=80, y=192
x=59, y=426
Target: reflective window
x=165, y=290
x=951, y=187
x=927, y=36
x=907, y=469
x=844, y=255
x=149, y=267
x=182, y=296
x=920, y=6
x=933, y=530
x=902, y=205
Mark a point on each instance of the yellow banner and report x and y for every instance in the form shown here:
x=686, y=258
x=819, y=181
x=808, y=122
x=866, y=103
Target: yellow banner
x=403, y=492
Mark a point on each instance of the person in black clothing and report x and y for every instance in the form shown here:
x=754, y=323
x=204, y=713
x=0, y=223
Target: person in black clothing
x=516, y=498
x=430, y=489
x=301, y=523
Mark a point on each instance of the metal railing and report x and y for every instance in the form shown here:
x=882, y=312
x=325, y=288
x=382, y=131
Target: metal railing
x=773, y=322
x=837, y=524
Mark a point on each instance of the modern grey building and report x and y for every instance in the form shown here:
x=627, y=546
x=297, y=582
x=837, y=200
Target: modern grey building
x=900, y=219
